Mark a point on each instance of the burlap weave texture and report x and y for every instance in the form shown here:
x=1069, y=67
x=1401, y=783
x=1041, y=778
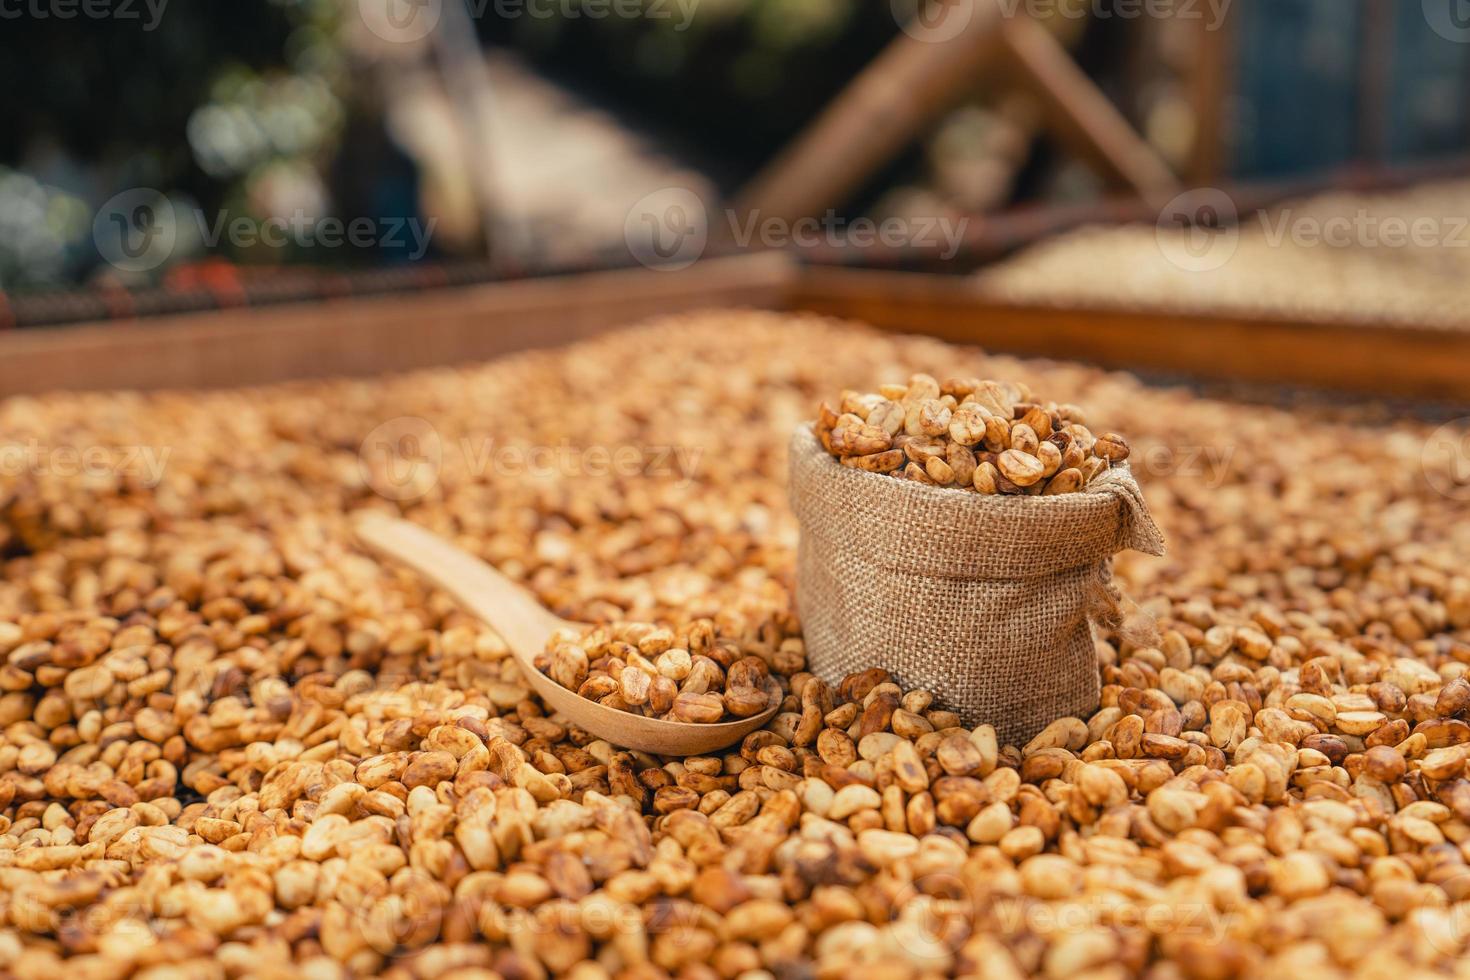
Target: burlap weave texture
x=985, y=600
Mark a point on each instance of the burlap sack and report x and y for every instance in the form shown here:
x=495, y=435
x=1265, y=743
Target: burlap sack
x=987, y=601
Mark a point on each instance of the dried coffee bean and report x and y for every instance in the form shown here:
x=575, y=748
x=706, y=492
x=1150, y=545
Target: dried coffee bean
x=985, y=436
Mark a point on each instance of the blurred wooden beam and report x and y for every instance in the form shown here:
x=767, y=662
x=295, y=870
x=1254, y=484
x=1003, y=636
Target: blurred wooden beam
x=1374, y=78
x=1082, y=118
x=1211, y=80
x=921, y=73
x=467, y=84
x=929, y=68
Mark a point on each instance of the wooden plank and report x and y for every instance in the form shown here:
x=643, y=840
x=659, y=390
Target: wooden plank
x=1375, y=79
x=921, y=73
x=373, y=335
x=1082, y=118
x=1211, y=79
x=1424, y=364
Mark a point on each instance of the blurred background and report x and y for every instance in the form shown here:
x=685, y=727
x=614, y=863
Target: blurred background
x=1090, y=151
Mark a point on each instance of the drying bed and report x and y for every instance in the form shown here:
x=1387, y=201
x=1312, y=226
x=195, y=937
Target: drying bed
x=233, y=744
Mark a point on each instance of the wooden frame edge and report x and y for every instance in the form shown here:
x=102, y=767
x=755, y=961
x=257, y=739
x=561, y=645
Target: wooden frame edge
x=374, y=335
x=356, y=337
x=1417, y=363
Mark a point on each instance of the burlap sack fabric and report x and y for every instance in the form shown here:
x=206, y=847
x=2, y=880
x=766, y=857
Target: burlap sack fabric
x=985, y=600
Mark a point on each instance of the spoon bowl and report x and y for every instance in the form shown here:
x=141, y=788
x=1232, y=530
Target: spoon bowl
x=526, y=625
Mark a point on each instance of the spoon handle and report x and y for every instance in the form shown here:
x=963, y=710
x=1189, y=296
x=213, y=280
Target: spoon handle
x=510, y=610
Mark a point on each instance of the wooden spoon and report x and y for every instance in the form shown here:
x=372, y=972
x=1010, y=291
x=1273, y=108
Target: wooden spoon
x=526, y=625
